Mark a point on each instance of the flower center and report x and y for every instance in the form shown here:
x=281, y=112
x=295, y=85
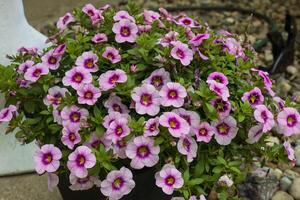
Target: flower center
x=89, y=63
x=52, y=60
x=78, y=77
x=119, y=130
x=121, y=143
x=89, y=95
x=152, y=127
x=65, y=19
x=57, y=99
x=173, y=94
x=113, y=79
x=72, y=137
x=110, y=56
x=125, y=31
x=37, y=72
x=187, y=21
x=90, y=13
x=174, y=124
x=47, y=158
x=80, y=160
x=157, y=81
x=83, y=180
x=143, y=151
x=202, y=131
x=223, y=129
x=117, y=108
x=146, y=99
x=96, y=144
x=180, y=53
x=118, y=183
x=170, y=180
x=291, y=120
x=75, y=116
x=253, y=98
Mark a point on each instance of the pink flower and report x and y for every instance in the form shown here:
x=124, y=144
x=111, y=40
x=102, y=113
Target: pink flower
x=111, y=54
x=220, y=89
x=192, y=118
x=117, y=129
x=121, y=15
x=233, y=47
x=88, y=60
x=176, y=125
x=158, y=78
x=142, y=152
x=117, y=184
x=255, y=134
x=289, y=121
x=254, y=97
x=28, y=50
x=187, y=146
x=150, y=16
x=225, y=181
x=80, y=160
x=35, y=72
x=88, y=94
x=24, y=66
x=125, y=30
x=169, y=178
x=201, y=197
x=59, y=50
x=55, y=96
x=112, y=116
x=151, y=127
x=144, y=28
x=198, y=39
x=217, y=77
x=172, y=94
x=222, y=107
x=70, y=136
x=97, y=140
x=165, y=14
x=168, y=39
x=119, y=148
x=203, y=132
x=267, y=81
x=47, y=159
x=181, y=52
x=289, y=151
x=56, y=116
x=99, y=38
x=6, y=114
x=76, y=77
x=85, y=183
x=111, y=78
x=53, y=181
x=225, y=130
x=265, y=117
x=280, y=102
x=147, y=100
x=73, y=115
x=63, y=21
x=50, y=60
x=114, y=104
x=94, y=14
x=186, y=22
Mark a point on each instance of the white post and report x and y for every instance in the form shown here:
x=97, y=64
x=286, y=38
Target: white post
x=15, y=32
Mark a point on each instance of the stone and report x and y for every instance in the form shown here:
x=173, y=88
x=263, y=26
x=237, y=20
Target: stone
x=285, y=86
x=230, y=20
x=281, y=195
x=291, y=174
x=292, y=70
x=296, y=97
x=295, y=189
x=285, y=183
x=297, y=155
x=277, y=172
x=268, y=55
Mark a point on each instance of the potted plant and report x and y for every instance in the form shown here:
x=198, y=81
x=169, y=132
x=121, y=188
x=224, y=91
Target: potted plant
x=144, y=105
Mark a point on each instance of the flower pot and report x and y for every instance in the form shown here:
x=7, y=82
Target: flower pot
x=145, y=188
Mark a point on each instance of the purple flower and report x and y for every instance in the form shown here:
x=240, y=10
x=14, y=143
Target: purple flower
x=117, y=129
x=109, y=79
x=225, y=181
x=73, y=115
x=181, y=52
x=169, y=178
x=117, y=184
x=76, y=77
x=223, y=107
x=158, y=78
x=142, y=152
x=80, y=160
x=186, y=22
x=168, y=39
x=233, y=47
x=119, y=148
x=255, y=134
x=217, y=77
x=263, y=115
x=192, y=118
x=88, y=94
x=201, y=197
x=99, y=38
x=289, y=121
x=172, y=94
x=6, y=114
x=96, y=141
x=150, y=16
x=85, y=183
x=125, y=30
x=28, y=50
x=111, y=54
x=22, y=69
x=280, y=102
x=254, y=97
x=47, y=159
x=56, y=116
x=187, y=146
x=63, y=21
x=203, y=132
x=151, y=127
x=225, y=130
x=94, y=14
x=35, y=72
x=176, y=125
x=59, y=50
x=121, y=15
x=198, y=39
x=220, y=89
x=289, y=151
x=114, y=104
x=147, y=100
x=144, y=28
x=112, y=116
x=70, y=136
x=51, y=60
x=88, y=60
x=55, y=96
x=53, y=181
x=267, y=81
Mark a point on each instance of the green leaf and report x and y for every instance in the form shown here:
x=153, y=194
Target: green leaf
x=186, y=175
x=195, y=181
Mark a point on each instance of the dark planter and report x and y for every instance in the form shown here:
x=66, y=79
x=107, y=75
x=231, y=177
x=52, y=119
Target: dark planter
x=145, y=189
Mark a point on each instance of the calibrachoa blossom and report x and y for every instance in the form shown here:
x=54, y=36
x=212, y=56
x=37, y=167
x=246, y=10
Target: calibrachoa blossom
x=125, y=30
x=186, y=22
x=47, y=159
x=96, y=141
x=59, y=50
x=88, y=94
x=187, y=146
x=70, y=136
x=117, y=129
x=117, y=184
x=99, y=38
x=172, y=94
x=119, y=148
x=169, y=178
x=225, y=181
x=35, y=72
x=254, y=134
x=203, y=132
x=55, y=96
x=223, y=108
x=88, y=60
x=73, y=115
x=181, y=52
x=142, y=152
x=176, y=125
x=94, y=14
x=53, y=181
x=289, y=121
x=198, y=39
x=192, y=117
x=233, y=47
x=220, y=89
x=217, y=77
x=6, y=114
x=264, y=116
x=267, y=81
x=24, y=66
x=158, y=78
x=289, y=151
x=85, y=183
x=151, y=127
x=63, y=21
x=111, y=78
x=201, y=197
x=76, y=77
x=150, y=16
x=51, y=60
x=81, y=160
x=112, y=116
x=254, y=97
x=147, y=99
x=122, y=14
x=114, y=104
x=225, y=130
x=111, y=54
x=168, y=39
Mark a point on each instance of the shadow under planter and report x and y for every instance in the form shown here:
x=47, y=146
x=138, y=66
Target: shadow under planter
x=145, y=188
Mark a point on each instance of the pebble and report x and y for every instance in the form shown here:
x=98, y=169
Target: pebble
x=296, y=97
x=297, y=155
x=268, y=55
x=285, y=86
x=277, y=173
x=295, y=189
x=281, y=195
x=291, y=174
x=285, y=183
x=230, y=20
x=292, y=70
